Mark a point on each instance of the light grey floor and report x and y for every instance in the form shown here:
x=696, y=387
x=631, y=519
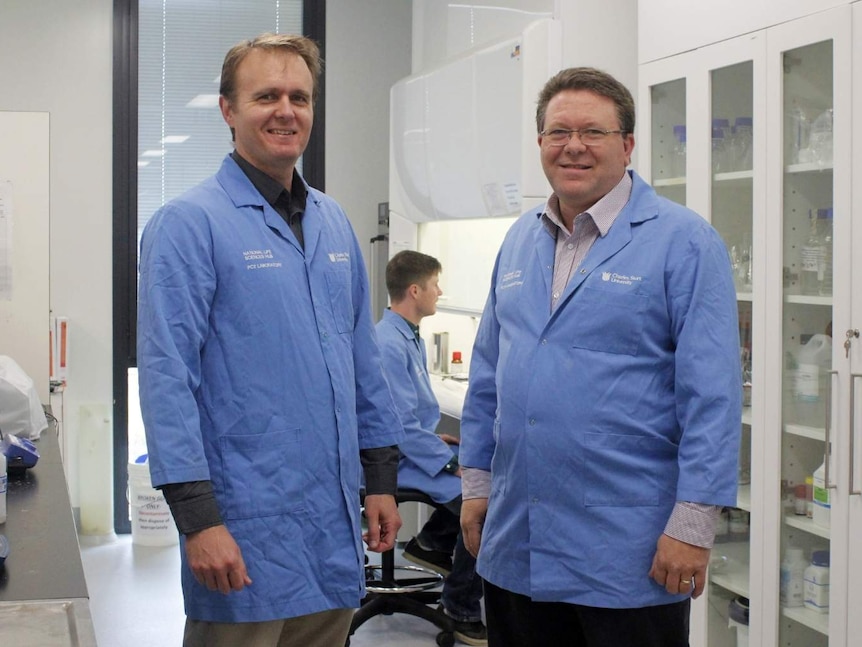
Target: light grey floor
x=136, y=601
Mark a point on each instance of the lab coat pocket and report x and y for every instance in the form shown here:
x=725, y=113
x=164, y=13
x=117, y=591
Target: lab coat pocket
x=263, y=474
x=340, y=300
x=612, y=322
x=624, y=470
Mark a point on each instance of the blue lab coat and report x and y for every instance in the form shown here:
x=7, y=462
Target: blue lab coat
x=423, y=453
x=259, y=370
x=597, y=418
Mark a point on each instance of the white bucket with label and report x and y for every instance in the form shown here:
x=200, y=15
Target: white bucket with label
x=152, y=521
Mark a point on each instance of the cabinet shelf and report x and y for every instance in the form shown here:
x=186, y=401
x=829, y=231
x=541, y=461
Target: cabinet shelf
x=732, y=178
x=744, y=296
x=806, y=299
x=730, y=572
x=670, y=181
x=811, y=619
x=806, y=525
x=808, y=167
x=746, y=416
x=814, y=433
x=735, y=581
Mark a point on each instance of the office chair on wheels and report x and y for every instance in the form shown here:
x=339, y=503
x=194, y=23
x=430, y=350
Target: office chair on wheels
x=403, y=589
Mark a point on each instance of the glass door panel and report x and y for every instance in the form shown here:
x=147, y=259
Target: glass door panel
x=731, y=210
x=806, y=335
x=668, y=149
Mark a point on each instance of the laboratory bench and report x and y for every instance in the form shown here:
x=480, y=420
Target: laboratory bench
x=43, y=593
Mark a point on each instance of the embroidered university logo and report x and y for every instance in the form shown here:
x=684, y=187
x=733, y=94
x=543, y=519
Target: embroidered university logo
x=339, y=257
x=606, y=276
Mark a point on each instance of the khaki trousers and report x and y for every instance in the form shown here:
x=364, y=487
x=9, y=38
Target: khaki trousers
x=323, y=629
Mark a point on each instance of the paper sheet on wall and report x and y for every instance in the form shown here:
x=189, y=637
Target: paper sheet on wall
x=6, y=211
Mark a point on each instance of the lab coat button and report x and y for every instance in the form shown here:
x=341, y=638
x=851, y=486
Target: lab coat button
x=532, y=422
x=544, y=342
x=535, y=499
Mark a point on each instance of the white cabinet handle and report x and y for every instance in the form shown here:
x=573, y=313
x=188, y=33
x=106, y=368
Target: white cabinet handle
x=852, y=452
x=828, y=420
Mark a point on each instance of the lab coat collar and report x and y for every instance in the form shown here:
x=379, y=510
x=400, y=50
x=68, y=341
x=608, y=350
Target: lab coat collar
x=243, y=193
x=642, y=206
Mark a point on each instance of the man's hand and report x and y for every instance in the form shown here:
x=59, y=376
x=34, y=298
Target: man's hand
x=473, y=513
x=381, y=512
x=449, y=440
x=216, y=560
x=680, y=567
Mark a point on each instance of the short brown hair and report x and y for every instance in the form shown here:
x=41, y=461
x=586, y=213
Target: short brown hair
x=588, y=78
x=407, y=268
x=302, y=46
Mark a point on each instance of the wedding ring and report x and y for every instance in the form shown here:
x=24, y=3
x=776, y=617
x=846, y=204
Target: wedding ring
x=685, y=581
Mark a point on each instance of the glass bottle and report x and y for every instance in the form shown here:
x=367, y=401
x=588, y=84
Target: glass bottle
x=799, y=130
x=812, y=259
x=679, y=150
x=824, y=233
x=718, y=150
x=743, y=139
x=820, y=138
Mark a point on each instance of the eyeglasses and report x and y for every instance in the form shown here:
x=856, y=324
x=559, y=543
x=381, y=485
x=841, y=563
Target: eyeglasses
x=588, y=136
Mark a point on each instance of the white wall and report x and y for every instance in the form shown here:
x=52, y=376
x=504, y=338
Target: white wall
x=56, y=56
x=367, y=50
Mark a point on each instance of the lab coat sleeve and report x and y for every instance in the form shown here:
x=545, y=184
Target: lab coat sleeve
x=478, y=417
x=708, y=376
x=377, y=418
x=422, y=446
x=177, y=283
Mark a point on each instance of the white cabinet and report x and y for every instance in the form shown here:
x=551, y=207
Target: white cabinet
x=780, y=195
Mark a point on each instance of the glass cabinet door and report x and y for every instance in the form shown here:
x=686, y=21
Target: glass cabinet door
x=807, y=451
x=731, y=174
x=668, y=137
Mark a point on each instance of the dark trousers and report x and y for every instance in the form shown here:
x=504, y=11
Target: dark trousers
x=515, y=620
x=462, y=590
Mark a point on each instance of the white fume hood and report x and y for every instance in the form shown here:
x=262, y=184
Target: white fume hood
x=463, y=135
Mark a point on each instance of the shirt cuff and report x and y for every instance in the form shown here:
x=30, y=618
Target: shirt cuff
x=380, y=465
x=693, y=523
x=193, y=505
x=475, y=483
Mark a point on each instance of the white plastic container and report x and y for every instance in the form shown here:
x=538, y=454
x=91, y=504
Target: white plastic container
x=152, y=521
x=817, y=582
x=792, y=578
x=812, y=371
x=821, y=497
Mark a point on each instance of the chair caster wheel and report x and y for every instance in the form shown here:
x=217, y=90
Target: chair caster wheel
x=446, y=639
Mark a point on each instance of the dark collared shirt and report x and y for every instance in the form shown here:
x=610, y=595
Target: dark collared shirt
x=290, y=205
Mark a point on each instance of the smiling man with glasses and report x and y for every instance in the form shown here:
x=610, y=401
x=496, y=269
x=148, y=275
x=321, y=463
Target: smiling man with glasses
x=601, y=426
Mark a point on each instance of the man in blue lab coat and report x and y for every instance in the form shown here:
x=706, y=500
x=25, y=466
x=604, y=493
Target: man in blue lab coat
x=261, y=384
x=428, y=462
x=600, y=432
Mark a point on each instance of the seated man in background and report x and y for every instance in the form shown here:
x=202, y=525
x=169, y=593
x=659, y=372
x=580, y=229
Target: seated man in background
x=428, y=462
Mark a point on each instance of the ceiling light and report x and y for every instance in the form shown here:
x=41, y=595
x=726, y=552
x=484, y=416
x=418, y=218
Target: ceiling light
x=142, y=164
x=153, y=153
x=174, y=139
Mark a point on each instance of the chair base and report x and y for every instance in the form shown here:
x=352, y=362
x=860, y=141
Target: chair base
x=414, y=604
